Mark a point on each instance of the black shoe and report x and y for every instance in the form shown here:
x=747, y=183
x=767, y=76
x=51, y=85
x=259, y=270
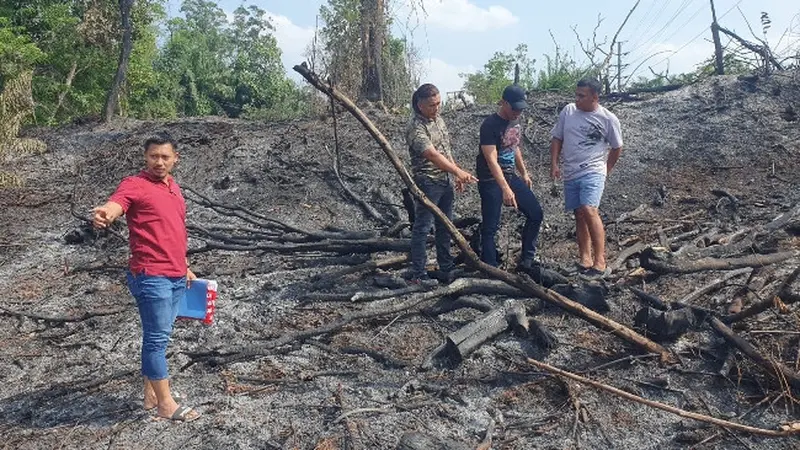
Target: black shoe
x=447, y=276
x=424, y=281
x=595, y=274
x=528, y=266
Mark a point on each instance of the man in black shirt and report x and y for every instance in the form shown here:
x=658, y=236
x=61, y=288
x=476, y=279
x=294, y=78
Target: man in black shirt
x=504, y=180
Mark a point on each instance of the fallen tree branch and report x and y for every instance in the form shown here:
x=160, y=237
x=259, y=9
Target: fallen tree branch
x=663, y=263
x=523, y=283
x=340, y=246
x=627, y=253
x=783, y=374
x=659, y=405
x=714, y=285
x=758, y=308
x=62, y=319
x=366, y=207
x=468, y=338
x=326, y=279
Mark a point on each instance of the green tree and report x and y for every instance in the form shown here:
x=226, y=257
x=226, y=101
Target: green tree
x=194, y=59
x=18, y=55
x=340, y=36
x=261, y=87
x=148, y=92
x=17, y=52
x=79, y=40
x=486, y=86
x=561, y=73
x=235, y=69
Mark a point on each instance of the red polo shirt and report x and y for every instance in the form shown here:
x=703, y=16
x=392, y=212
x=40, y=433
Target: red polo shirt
x=156, y=216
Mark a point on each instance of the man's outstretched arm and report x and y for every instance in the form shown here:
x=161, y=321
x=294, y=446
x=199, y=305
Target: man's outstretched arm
x=105, y=215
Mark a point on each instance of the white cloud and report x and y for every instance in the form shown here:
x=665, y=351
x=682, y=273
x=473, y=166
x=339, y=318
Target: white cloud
x=461, y=15
x=444, y=75
x=293, y=41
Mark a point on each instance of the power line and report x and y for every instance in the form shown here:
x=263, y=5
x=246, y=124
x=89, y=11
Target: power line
x=684, y=4
x=678, y=29
x=704, y=31
x=646, y=16
x=653, y=21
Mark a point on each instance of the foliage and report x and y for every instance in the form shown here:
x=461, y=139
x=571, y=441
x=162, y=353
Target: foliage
x=204, y=65
x=732, y=63
x=399, y=76
x=340, y=36
x=216, y=67
x=16, y=102
x=486, y=86
x=561, y=73
x=17, y=52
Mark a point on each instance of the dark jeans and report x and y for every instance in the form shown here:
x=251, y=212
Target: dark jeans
x=441, y=194
x=491, y=208
x=157, y=298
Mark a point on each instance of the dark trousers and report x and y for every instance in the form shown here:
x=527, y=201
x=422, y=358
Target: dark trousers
x=491, y=208
x=441, y=194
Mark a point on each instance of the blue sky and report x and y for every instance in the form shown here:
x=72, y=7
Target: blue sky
x=457, y=36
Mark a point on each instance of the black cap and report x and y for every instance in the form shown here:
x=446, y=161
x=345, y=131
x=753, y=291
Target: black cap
x=515, y=96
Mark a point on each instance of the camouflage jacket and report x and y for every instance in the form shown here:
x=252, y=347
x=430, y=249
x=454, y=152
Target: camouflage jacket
x=421, y=134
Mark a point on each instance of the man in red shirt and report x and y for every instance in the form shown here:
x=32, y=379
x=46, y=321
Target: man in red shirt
x=158, y=269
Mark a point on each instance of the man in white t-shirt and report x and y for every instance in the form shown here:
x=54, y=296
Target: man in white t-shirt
x=581, y=140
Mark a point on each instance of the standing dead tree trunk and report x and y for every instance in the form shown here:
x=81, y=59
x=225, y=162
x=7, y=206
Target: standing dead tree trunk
x=523, y=283
x=373, y=33
x=112, y=101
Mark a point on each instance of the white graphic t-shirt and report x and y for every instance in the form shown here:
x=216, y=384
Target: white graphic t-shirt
x=586, y=138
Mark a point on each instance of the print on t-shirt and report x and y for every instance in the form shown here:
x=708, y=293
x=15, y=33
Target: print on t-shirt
x=592, y=134
x=506, y=155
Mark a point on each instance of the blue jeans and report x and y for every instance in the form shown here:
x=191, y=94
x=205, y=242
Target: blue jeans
x=157, y=299
x=441, y=194
x=491, y=208
x=584, y=190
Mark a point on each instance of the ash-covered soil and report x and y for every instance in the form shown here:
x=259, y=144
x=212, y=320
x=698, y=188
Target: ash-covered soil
x=70, y=337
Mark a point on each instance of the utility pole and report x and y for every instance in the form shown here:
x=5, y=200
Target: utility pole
x=619, y=66
x=720, y=69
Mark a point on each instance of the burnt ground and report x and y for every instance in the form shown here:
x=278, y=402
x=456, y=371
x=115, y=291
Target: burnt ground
x=70, y=341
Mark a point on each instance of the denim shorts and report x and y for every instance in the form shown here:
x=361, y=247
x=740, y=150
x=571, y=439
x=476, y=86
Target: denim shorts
x=584, y=190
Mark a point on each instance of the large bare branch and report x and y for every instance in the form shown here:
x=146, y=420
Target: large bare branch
x=664, y=407
x=616, y=35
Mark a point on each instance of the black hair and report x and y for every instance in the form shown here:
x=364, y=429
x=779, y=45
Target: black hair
x=427, y=90
x=160, y=139
x=592, y=84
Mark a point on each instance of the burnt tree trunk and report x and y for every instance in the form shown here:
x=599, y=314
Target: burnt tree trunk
x=112, y=100
x=373, y=34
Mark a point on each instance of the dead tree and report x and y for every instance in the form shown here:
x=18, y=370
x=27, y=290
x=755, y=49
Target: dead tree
x=112, y=100
x=373, y=34
x=762, y=49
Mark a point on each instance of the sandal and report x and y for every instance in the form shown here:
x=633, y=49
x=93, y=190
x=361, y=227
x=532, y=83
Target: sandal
x=183, y=414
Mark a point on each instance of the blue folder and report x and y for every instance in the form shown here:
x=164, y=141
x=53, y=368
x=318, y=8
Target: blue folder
x=195, y=301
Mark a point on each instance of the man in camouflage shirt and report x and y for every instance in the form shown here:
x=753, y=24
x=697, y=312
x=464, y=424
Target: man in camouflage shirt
x=432, y=164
